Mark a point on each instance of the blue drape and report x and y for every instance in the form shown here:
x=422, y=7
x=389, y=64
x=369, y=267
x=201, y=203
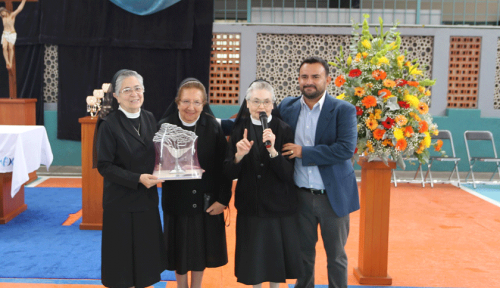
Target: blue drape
x=144, y=7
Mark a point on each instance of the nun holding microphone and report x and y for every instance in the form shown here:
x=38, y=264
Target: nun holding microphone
x=267, y=246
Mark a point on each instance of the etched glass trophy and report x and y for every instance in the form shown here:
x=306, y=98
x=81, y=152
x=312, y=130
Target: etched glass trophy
x=176, y=154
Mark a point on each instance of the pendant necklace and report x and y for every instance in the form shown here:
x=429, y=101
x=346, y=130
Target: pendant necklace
x=137, y=129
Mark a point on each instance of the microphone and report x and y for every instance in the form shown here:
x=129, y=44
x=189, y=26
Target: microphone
x=265, y=125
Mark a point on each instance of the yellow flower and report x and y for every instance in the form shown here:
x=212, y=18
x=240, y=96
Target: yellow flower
x=341, y=96
x=378, y=114
x=349, y=60
x=369, y=145
x=427, y=140
x=435, y=132
x=371, y=123
x=383, y=60
x=358, y=57
x=414, y=116
x=421, y=89
x=408, y=63
x=414, y=71
x=359, y=91
x=369, y=85
x=428, y=93
x=412, y=100
x=392, y=45
x=365, y=54
x=366, y=43
x=398, y=133
x=401, y=59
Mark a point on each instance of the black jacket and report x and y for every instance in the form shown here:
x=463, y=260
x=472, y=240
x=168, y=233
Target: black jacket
x=185, y=197
x=265, y=185
x=122, y=156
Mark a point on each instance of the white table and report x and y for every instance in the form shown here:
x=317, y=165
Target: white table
x=22, y=150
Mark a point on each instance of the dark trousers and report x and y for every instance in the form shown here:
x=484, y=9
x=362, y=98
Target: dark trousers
x=314, y=210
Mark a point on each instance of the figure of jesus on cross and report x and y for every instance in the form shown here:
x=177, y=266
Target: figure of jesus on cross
x=9, y=33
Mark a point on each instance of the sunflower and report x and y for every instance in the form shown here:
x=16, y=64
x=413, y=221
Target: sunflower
x=369, y=101
x=423, y=108
x=359, y=91
x=371, y=123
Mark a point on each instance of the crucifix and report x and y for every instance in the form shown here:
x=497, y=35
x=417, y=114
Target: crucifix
x=9, y=39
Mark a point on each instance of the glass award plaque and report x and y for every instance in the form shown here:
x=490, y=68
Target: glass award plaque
x=176, y=154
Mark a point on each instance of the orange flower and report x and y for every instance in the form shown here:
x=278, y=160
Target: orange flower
x=359, y=91
x=339, y=81
x=369, y=145
x=369, y=101
x=389, y=83
x=412, y=83
x=408, y=131
x=401, y=120
x=384, y=93
x=423, y=108
x=371, y=123
x=378, y=134
x=421, y=89
x=388, y=142
x=379, y=74
x=414, y=116
x=423, y=126
x=401, y=144
x=438, y=145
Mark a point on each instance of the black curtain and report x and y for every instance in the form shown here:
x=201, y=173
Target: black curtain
x=96, y=38
x=29, y=58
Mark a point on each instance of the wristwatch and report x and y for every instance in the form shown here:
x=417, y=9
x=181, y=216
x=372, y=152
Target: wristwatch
x=271, y=155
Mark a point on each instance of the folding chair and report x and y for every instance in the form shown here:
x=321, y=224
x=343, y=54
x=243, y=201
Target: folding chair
x=444, y=135
x=481, y=136
x=419, y=169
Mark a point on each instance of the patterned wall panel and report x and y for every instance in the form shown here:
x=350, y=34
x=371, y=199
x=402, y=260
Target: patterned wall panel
x=224, y=78
x=496, y=95
x=50, y=74
x=279, y=57
x=463, y=72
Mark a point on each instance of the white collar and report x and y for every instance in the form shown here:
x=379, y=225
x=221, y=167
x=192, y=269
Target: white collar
x=130, y=115
x=257, y=122
x=320, y=102
x=189, y=124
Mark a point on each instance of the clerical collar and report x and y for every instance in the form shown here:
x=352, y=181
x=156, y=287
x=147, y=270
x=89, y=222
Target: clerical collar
x=189, y=124
x=130, y=115
x=257, y=122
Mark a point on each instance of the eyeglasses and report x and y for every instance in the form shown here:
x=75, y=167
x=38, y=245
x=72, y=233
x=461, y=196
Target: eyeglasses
x=256, y=103
x=128, y=91
x=187, y=103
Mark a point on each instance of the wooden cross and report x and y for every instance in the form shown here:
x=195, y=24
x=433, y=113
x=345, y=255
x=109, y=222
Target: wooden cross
x=12, y=71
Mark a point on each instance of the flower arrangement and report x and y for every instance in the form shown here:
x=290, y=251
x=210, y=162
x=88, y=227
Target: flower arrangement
x=390, y=94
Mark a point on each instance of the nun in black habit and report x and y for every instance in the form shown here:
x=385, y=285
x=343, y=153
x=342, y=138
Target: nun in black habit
x=267, y=246
x=133, y=251
x=194, y=231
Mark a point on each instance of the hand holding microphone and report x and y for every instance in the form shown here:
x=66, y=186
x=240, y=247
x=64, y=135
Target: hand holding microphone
x=268, y=136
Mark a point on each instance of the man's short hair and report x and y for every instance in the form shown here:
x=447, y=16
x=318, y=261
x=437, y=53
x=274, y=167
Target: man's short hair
x=315, y=59
x=4, y=9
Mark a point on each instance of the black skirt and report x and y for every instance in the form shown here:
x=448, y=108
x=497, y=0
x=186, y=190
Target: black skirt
x=267, y=249
x=194, y=242
x=133, y=252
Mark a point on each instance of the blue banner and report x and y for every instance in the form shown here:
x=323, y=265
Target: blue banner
x=144, y=7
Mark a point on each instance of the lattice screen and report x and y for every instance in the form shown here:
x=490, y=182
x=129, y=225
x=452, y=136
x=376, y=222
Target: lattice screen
x=463, y=73
x=225, y=69
x=496, y=95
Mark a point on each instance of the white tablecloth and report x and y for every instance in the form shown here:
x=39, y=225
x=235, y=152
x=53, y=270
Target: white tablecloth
x=22, y=150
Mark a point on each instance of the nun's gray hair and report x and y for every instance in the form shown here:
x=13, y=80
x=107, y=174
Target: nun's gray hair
x=260, y=85
x=126, y=74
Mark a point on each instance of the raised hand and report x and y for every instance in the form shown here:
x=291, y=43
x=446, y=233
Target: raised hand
x=242, y=147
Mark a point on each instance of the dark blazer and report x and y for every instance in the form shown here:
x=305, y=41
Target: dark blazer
x=185, y=197
x=335, y=142
x=265, y=185
x=122, y=156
